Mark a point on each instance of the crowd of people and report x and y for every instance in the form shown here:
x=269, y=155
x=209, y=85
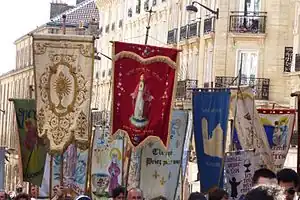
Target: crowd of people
x=266, y=186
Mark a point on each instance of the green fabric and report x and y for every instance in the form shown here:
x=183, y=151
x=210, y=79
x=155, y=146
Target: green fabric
x=32, y=149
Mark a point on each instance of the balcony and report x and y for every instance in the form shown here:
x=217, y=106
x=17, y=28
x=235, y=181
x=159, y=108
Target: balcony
x=184, y=89
x=172, y=36
x=183, y=33
x=193, y=30
x=209, y=25
x=250, y=22
x=260, y=85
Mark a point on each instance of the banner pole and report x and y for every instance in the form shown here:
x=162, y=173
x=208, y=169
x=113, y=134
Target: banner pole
x=231, y=147
x=128, y=168
x=51, y=172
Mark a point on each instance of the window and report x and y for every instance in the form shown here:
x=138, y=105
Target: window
x=247, y=62
x=103, y=74
x=249, y=6
x=208, y=66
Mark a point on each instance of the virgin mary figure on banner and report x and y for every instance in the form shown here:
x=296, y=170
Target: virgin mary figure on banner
x=141, y=98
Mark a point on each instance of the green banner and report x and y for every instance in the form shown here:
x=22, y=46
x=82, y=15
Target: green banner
x=33, y=151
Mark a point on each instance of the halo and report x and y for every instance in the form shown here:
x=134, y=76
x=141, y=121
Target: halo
x=116, y=151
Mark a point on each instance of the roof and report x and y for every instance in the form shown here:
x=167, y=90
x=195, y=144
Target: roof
x=83, y=12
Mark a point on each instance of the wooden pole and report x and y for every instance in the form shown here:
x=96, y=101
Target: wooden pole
x=62, y=169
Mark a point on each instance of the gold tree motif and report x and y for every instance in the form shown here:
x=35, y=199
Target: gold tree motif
x=62, y=87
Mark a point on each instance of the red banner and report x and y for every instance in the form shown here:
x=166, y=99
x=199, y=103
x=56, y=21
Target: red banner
x=143, y=89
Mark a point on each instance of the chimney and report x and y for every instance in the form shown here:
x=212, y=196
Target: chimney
x=79, y=1
x=57, y=8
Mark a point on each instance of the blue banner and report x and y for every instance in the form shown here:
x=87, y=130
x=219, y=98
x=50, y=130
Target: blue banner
x=210, y=111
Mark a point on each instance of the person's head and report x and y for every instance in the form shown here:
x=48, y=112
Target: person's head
x=135, y=194
x=265, y=192
x=159, y=198
x=119, y=193
x=217, y=194
x=3, y=195
x=264, y=176
x=34, y=191
x=289, y=180
x=22, y=196
x=196, y=196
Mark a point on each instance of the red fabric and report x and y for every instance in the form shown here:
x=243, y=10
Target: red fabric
x=159, y=79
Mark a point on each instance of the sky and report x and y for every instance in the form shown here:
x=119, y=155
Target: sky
x=17, y=18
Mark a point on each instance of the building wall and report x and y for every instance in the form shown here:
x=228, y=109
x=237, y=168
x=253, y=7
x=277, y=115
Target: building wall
x=12, y=85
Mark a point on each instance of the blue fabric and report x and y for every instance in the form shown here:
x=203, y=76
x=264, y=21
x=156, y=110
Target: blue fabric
x=214, y=107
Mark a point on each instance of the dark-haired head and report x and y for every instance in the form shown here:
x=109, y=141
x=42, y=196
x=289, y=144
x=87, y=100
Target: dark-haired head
x=265, y=192
x=119, y=193
x=217, y=194
x=289, y=180
x=264, y=176
x=196, y=196
x=22, y=196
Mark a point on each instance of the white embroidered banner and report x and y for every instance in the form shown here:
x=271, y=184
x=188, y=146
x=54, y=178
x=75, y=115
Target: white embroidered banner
x=239, y=169
x=160, y=169
x=250, y=131
x=63, y=77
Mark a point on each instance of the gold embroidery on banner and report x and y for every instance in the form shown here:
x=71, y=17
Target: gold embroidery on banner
x=85, y=49
x=63, y=89
x=145, y=61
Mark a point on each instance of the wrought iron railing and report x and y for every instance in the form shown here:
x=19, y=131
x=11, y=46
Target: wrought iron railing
x=260, y=85
x=183, y=33
x=193, y=30
x=172, y=36
x=209, y=25
x=184, y=89
x=250, y=22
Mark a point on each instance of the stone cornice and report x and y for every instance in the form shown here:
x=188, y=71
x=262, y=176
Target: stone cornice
x=15, y=72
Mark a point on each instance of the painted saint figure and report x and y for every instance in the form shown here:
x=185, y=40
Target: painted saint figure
x=114, y=169
x=234, y=185
x=140, y=97
x=277, y=134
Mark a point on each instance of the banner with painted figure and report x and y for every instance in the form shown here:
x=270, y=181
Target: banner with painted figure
x=144, y=79
x=107, y=166
x=186, y=148
x=75, y=170
x=33, y=149
x=63, y=69
x=160, y=168
x=210, y=111
x=250, y=132
x=279, y=127
x=239, y=169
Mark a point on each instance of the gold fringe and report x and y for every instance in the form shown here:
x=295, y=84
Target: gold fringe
x=145, y=61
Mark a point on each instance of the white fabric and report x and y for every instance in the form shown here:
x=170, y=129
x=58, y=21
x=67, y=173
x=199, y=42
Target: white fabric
x=250, y=131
